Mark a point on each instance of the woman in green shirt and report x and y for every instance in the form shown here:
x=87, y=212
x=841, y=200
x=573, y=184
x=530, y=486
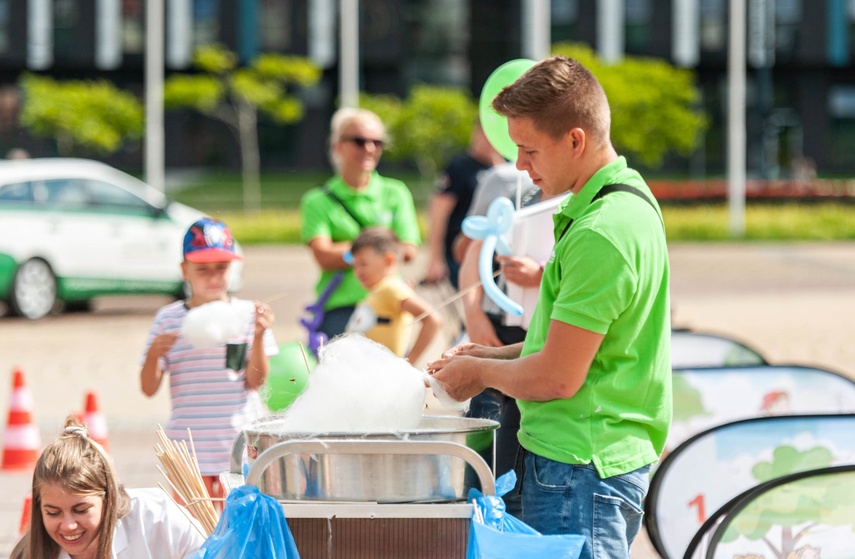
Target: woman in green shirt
x=356, y=197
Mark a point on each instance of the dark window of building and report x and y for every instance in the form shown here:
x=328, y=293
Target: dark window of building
x=788, y=21
x=66, y=20
x=74, y=33
x=206, y=26
x=275, y=25
x=565, y=19
x=713, y=25
x=4, y=27
x=639, y=14
x=849, y=41
x=841, y=112
x=133, y=26
x=437, y=50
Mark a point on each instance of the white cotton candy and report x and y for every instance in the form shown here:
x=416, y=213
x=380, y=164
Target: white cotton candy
x=358, y=386
x=216, y=323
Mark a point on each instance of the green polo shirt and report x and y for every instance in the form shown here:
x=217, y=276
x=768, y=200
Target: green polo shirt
x=608, y=274
x=383, y=202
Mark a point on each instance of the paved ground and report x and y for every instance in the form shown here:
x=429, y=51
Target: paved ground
x=792, y=302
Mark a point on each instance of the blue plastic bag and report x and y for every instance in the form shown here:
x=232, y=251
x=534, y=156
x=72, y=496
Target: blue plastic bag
x=252, y=525
x=495, y=534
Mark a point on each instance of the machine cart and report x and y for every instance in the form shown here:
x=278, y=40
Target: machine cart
x=375, y=495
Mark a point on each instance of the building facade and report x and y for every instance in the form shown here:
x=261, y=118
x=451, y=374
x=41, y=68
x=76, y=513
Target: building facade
x=801, y=71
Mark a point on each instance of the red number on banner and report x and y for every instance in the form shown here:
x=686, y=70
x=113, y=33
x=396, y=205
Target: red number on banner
x=699, y=502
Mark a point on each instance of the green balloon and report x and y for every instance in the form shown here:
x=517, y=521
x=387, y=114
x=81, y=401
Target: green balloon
x=495, y=126
x=288, y=375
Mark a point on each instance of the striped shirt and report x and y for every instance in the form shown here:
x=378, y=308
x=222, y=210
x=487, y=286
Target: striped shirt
x=209, y=399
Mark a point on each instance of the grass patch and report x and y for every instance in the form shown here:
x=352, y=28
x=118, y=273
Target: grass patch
x=827, y=221
x=279, y=222
x=221, y=192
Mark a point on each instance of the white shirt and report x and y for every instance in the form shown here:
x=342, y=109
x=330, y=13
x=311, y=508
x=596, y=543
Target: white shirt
x=155, y=528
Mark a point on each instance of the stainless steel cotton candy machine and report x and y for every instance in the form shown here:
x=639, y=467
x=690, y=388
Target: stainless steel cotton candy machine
x=421, y=465
x=378, y=478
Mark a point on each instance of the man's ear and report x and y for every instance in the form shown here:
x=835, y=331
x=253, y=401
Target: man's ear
x=184, y=271
x=577, y=139
x=389, y=258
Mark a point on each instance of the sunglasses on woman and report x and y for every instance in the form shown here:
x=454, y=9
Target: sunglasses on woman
x=362, y=142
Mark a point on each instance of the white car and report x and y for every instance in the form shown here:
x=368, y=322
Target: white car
x=74, y=229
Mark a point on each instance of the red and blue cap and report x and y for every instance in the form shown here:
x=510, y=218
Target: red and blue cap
x=209, y=240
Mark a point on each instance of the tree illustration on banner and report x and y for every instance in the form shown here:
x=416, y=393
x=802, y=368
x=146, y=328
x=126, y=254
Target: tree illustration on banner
x=796, y=509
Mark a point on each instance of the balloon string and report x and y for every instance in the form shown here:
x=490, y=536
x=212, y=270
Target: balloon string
x=276, y=297
x=449, y=301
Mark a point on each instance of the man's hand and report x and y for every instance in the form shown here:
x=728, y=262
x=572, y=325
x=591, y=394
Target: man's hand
x=480, y=329
x=457, y=375
x=436, y=271
x=521, y=270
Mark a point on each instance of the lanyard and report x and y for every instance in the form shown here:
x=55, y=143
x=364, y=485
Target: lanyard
x=608, y=189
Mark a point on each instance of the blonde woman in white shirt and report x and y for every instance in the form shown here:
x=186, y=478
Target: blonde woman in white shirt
x=81, y=512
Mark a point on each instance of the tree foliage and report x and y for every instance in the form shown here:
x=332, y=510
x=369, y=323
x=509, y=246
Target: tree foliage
x=94, y=115
x=429, y=127
x=234, y=95
x=655, y=106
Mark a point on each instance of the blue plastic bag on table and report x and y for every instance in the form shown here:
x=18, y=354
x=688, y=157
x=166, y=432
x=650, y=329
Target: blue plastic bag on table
x=252, y=525
x=495, y=534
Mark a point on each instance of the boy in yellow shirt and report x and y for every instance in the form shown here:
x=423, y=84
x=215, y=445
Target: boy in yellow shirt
x=387, y=315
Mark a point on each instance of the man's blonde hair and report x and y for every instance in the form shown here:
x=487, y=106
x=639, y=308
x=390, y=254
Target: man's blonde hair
x=558, y=94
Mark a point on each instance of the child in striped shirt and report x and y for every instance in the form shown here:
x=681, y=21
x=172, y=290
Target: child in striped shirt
x=213, y=390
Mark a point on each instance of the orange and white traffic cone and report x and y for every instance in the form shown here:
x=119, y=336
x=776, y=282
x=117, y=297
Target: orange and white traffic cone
x=21, y=441
x=25, y=514
x=96, y=422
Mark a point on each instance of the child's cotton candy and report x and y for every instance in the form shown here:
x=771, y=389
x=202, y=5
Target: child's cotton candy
x=214, y=324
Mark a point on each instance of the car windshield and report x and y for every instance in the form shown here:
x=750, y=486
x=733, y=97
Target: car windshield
x=18, y=194
x=93, y=195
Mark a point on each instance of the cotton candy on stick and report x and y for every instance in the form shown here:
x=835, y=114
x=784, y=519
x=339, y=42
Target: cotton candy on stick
x=214, y=324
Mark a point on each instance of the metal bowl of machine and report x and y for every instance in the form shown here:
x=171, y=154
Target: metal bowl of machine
x=425, y=464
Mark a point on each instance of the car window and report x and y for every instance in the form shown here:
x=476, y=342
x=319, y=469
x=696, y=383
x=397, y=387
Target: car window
x=67, y=194
x=109, y=196
x=18, y=194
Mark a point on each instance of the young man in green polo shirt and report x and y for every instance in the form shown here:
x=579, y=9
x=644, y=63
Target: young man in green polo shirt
x=593, y=377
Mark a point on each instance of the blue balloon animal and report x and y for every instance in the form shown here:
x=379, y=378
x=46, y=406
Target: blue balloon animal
x=490, y=229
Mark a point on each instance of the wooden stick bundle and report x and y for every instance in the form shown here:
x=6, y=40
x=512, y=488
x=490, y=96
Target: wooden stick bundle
x=181, y=470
